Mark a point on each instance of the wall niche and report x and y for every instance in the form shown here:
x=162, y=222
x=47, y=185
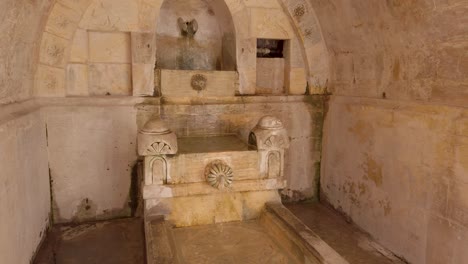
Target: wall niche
x=270, y=66
x=195, y=35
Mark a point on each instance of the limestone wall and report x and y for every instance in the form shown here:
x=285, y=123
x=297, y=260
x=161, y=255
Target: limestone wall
x=24, y=178
x=395, y=147
x=24, y=184
x=21, y=27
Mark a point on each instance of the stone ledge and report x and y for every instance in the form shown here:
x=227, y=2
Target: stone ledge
x=202, y=188
x=15, y=110
x=306, y=239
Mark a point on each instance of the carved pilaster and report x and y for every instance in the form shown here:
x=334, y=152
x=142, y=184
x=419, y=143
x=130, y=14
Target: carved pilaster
x=270, y=139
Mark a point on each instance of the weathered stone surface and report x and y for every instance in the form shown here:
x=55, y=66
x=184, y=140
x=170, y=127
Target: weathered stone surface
x=50, y=81
x=24, y=195
x=179, y=83
x=240, y=242
x=111, y=15
x=403, y=164
x=92, y=155
x=63, y=21
x=211, y=209
x=53, y=50
x=107, y=47
x=296, y=81
x=22, y=25
x=110, y=79
x=143, y=79
x=143, y=48
x=77, y=80
x=269, y=24
x=79, y=51
x=270, y=76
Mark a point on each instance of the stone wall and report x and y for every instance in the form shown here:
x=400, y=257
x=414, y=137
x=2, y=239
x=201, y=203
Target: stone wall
x=395, y=150
x=24, y=178
x=92, y=158
x=22, y=25
x=24, y=183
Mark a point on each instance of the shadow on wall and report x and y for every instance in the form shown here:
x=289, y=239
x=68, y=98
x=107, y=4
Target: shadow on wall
x=195, y=35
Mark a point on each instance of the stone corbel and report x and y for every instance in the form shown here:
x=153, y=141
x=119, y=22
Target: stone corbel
x=270, y=139
x=155, y=141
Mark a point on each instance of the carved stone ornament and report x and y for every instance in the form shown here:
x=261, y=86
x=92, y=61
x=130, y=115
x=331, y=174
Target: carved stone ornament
x=159, y=147
x=187, y=28
x=219, y=174
x=198, y=82
x=275, y=141
x=269, y=134
x=155, y=138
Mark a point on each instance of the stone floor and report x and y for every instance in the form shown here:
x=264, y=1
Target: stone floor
x=345, y=238
x=112, y=242
x=230, y=243
x=122, y=241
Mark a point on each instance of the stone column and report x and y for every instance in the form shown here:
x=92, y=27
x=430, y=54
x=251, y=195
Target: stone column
x=155, y=142
x=270, y=139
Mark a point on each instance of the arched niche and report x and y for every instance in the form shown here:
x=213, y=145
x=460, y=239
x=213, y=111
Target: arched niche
x=212, y=47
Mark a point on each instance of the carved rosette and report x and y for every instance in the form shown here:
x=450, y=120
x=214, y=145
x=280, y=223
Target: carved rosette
x=219, y=174
x=198, y=82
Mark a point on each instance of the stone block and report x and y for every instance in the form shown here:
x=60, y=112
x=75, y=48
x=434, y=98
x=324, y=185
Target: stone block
x=247, y=57
x=80, y=5
x=105, y=47
x=143, y=48
x=179, y=83
x=110, y=79
x=53, y=50
x=267, y=4
x=147, y=16
x=247, y=80
x=242, y=22
x=62, y=21
x=79, y=48
x=77, y=80
x=269, y=24
x=297, y=81
x=212, y=209
x=50, y=81
x=270, y=76
x=111, y=15
x=143, y=79
x=461, y=159
x=190, y=168
x=293, y=54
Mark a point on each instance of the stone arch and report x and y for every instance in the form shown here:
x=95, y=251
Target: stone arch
x=67, y=17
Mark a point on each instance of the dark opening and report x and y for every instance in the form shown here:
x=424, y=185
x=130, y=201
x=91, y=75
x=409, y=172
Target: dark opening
x=270, y=48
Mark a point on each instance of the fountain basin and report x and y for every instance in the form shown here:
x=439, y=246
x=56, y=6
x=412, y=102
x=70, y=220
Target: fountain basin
x=276, y=236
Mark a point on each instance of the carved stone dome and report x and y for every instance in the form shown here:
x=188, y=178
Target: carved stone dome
x=270, y=122
x=155, y=126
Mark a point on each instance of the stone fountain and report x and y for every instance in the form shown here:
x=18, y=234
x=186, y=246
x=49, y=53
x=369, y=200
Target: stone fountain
x=214, y=199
